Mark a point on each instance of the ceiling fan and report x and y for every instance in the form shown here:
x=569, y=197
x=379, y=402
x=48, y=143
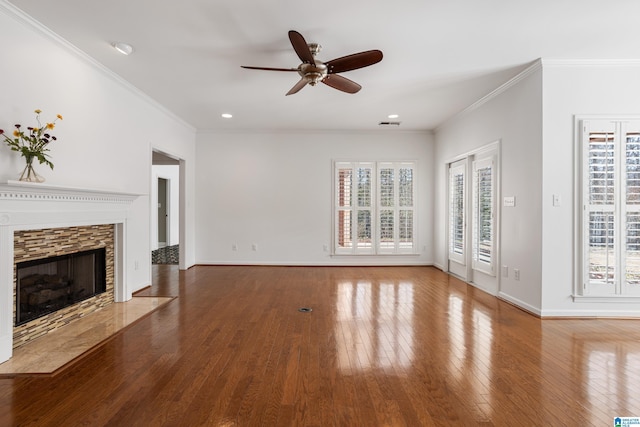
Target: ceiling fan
x=313, y=71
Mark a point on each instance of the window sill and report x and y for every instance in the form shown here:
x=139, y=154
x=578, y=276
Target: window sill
x=607, y=299
x=372, y=255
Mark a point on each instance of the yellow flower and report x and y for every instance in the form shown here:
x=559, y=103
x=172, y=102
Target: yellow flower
x=37, y=111
x=16, y=133
x=59, y=116
x=50, y=126
x=36, y=130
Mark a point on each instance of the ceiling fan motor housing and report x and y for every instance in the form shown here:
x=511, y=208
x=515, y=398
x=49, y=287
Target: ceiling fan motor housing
x=314, y=73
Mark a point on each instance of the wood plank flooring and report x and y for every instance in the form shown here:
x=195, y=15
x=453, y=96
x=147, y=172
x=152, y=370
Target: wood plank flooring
x=382, y=346
x=54, y=350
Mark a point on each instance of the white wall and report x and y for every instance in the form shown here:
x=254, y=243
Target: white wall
x=274, y=189
x=104, y=141
x=534, y=120
x=170, y=173
x=596, y=88
x=513, y=116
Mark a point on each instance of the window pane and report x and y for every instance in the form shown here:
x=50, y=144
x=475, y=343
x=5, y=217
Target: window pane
x=601, y=249
x=601, y=168
x=386, y=187
x=456, y=213
x=368, y=199
x=484, y=206
x=633, y=168
x=405, y=177
x=406, y=229
x=364, y=187
x=345, y=181
x=633, y=249
x=364, y=229
x=386, y=229
x=344, y=229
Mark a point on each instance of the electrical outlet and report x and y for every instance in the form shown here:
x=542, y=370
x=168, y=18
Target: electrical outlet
x=325, y=248
x=516, y=274
x=234, y=247
x=254, y=247
x=505, y=271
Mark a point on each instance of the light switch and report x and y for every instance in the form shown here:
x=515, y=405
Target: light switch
x=509, y=201
x=556, y=200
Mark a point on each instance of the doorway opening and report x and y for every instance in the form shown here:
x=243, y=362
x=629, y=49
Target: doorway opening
x=473, y=218
x=167, y=237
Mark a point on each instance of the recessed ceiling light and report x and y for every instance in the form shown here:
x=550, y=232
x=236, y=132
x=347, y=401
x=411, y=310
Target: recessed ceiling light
x=123, y=48
x=393, y=116
x=226, y=115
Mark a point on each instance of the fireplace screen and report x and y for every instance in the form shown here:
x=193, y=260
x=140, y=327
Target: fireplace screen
x=50, y=284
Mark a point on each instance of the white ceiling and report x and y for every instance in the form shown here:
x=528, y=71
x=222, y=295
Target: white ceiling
x=440, y=56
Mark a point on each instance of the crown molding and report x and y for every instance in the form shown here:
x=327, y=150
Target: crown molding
x=537, y=65
x=551, y=62
x=268, y=131
x=532, y=68
x=20, y=16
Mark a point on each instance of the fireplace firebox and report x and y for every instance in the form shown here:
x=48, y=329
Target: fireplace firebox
x=50, y=284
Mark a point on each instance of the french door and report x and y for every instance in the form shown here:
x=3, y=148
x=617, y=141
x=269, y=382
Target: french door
x=472, y=204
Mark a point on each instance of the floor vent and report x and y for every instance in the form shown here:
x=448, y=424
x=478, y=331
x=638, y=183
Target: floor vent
x=389, y=124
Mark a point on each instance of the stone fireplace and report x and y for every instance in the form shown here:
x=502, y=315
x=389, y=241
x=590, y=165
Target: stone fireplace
x=39, y=221
x=49, y=288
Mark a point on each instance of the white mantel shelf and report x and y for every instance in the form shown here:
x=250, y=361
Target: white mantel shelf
x=25, y=191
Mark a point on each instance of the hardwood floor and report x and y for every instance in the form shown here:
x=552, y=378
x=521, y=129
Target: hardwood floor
x=382, y=346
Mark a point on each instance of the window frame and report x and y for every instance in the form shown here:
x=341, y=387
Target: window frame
x=586, y=288
x=396, y=248
x=479, y=264
x=456, y=169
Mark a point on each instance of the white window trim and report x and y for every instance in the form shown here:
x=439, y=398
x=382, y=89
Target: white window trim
x=579, y=288
x=375, y=249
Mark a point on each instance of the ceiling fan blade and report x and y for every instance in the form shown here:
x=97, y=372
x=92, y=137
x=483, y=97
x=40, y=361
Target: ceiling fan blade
x=341, y=83
x=268, y=68
x=295, y=89
x=300, y=46
x=354, y=61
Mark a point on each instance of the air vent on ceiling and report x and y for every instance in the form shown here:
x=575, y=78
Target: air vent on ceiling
x=389, y=124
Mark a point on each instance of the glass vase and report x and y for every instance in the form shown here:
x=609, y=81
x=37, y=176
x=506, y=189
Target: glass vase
x=29, y=174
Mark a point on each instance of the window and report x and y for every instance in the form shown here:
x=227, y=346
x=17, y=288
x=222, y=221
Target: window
x=457, y=211
x=611, y=207
x=483, y=215
x=374, y=208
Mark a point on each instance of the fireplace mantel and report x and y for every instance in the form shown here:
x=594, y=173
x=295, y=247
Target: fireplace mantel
x=27, y=206
x=27, y=191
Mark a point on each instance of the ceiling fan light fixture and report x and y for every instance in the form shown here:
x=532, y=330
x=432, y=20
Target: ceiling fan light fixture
x=313, y=71
x=123, y=48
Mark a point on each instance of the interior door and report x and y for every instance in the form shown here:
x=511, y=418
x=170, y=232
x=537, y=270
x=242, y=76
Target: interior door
x=163, y=212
